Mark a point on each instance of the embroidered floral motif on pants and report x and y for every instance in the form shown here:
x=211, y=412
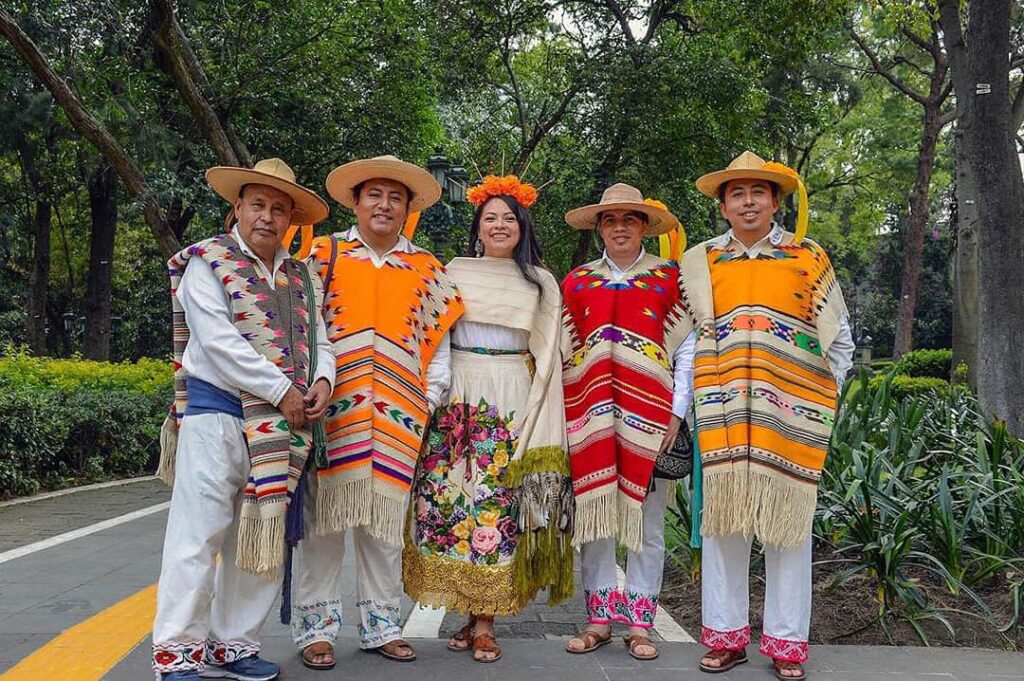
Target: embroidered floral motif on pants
x=226, y=652
x=636, y=609
x=317, y=622
x=737, y=639
x=783, y=649
x=178, y=657
x=379, y=623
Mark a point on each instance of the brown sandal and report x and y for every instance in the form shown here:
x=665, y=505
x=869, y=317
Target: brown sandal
x=486, y=643
x=394, y=645
x=780, y=665
x=317, y=649
x=591, y=641
x=465, y=634
x=640, y=640
x=728, y=659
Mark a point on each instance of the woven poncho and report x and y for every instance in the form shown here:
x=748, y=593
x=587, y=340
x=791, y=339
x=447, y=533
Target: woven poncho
x=385, y=324
x=765, y=396
x=618, y=343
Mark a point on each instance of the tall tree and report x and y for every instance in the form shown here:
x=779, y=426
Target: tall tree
x=924, y=61
x=101, y=183
x=980, y=57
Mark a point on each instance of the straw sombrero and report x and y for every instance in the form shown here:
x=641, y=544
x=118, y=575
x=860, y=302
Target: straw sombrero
x=228, y=181
x=623, y=197
x=343, y=179
x=749, y=166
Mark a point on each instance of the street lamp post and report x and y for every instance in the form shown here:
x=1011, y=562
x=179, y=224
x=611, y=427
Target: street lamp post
x=438, y=220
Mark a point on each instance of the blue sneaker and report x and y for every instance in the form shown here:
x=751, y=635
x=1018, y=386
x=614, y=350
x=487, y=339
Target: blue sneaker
x=190, y=675
x=246, y=669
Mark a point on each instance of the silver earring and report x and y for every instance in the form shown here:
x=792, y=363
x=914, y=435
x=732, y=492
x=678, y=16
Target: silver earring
x=479, y=248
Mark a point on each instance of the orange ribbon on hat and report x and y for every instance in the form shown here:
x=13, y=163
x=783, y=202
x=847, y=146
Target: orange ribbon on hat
x=672, y=244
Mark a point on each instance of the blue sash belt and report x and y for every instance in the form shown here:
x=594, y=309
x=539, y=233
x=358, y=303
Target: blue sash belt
x=206, y=398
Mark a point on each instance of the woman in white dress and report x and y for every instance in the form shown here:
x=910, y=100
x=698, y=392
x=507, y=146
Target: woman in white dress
x=492, y=500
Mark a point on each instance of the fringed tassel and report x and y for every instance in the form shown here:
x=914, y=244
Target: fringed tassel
x=631, y=523
x=168, y=450
x=294, y=532
x=595, y=518
x=543, y=559
x=341, y=506
x=778, y=512
x=261, y=545
x=536, y=460
x=387, y=519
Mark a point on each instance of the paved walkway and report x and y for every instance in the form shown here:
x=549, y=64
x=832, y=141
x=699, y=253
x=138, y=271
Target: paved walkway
x=76, y=601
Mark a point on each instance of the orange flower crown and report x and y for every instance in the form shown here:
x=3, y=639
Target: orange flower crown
x=509, y=185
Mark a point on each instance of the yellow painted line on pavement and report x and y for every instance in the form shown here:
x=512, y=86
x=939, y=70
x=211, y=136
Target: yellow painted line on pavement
x=90, y=649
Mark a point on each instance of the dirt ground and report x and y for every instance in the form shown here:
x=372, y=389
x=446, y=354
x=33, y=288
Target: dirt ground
x=848, y=614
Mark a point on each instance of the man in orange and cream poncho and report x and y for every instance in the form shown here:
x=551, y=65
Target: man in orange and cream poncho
x=773, y=345
x=388, y=307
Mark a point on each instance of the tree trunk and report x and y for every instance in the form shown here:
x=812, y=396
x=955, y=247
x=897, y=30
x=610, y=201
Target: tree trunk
x=39, y=279
x=965, y=268
x=917, y=226
x=102, y=186
x=89, y=127
x=991, y=157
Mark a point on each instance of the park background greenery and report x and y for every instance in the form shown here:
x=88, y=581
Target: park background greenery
x=922, y=496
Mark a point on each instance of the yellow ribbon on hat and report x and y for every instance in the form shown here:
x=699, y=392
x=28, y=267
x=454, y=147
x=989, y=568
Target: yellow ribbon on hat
x=801, y=211
x=671, y=244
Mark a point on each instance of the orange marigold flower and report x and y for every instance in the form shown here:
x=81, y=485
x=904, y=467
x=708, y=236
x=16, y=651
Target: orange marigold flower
x=509, y=185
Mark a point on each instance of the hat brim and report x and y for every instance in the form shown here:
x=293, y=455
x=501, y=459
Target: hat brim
x=227, y=181
x=343, y=179
x=710, y=183
x=659, y=221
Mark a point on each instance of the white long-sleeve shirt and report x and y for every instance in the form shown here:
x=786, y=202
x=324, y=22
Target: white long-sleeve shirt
x=216, y=351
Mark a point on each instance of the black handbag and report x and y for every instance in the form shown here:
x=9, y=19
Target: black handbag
x=676, y=462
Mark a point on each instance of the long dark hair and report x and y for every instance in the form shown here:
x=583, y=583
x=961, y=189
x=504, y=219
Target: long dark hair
x=527, y=254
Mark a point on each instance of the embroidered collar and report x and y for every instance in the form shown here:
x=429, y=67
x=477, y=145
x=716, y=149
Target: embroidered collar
x=774, y=237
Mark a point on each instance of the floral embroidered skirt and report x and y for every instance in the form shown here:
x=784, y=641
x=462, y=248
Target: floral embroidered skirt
x=463, y=530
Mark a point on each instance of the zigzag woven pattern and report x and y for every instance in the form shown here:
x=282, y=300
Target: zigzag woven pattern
x=276, y=323
x=764, y=393
x=618, y=389
x=385, y=325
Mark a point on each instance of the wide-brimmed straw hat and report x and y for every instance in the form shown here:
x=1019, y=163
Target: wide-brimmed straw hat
x=623, y=197
x=749, y=166
x=227, y=181
x=343, y=179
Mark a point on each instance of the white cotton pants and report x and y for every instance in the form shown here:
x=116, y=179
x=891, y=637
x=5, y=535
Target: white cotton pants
x=636, y=602
x=207, y=610
x=725, y=597
x=317, y=586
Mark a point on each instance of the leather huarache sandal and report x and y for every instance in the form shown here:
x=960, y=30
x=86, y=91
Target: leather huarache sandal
x=636, y=640
x=389, y=650
x=486, y=643
x=318, y=656
x=781, y=665
x=463, y=635
x=727, y=659
x=591, y=642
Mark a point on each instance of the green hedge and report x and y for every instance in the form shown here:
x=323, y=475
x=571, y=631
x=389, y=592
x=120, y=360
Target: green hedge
x=910, y=386
x=63, y=420
x=926, y=364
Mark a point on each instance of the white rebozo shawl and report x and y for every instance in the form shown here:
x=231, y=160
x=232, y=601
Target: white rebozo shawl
x=495, y=292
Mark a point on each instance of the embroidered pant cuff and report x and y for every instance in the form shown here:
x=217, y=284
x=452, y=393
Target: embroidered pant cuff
x=320, y=621
x=379, y=623
x=735, y=639
x=226, y=652
x=178, y=657
x=784, y=650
